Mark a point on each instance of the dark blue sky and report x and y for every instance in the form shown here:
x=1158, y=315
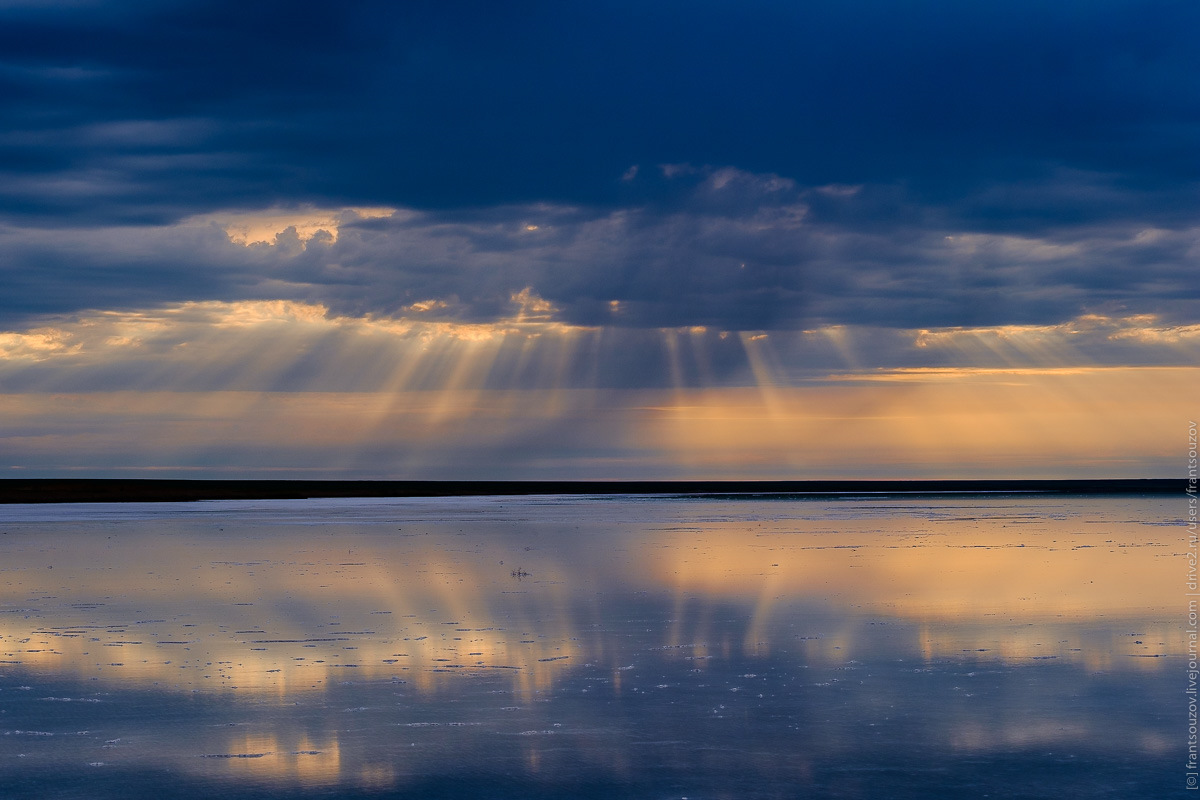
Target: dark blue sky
x=796, y=163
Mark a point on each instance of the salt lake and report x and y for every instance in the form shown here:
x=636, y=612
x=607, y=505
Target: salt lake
x=997, y=646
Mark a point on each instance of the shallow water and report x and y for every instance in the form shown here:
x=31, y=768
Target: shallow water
x=1004, y=646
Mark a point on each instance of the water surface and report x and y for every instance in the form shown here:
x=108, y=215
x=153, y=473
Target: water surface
x=1000, y=646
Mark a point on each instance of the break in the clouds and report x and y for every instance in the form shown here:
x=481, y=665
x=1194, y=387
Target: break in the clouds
x=454, y=200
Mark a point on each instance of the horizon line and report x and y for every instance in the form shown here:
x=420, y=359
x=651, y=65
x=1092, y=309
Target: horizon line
x=142, y=490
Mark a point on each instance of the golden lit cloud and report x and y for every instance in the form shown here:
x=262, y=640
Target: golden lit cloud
x=38, y=344
x=264, y=227
x=1054, y=345
x=200, y=324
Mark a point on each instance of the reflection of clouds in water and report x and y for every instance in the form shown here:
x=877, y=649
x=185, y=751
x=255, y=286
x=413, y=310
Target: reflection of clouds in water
x=291, y=617
x=915, y=567
x=278, y=757
x=365, y=646
x=473, y=614
x=285, y=609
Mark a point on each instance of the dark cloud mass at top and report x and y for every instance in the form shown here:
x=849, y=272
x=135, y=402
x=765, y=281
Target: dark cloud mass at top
x=855, y=138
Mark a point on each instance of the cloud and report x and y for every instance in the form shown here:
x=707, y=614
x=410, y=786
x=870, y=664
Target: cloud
x=37, y=344
x=726, y=249
x=292, y=346
x=775, y=167
x=118, y=111
x=278, y=225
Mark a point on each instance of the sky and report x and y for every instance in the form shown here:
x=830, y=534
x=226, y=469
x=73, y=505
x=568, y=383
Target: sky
x=784, y=240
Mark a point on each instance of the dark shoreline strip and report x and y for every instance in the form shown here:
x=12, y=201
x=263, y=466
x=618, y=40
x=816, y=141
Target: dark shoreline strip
x=99, y=490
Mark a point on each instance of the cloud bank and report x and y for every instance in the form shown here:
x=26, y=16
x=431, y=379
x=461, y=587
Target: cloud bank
x=608, y=207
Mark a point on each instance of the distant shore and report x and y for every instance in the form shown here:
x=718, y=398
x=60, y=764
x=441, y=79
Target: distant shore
x=89, y=490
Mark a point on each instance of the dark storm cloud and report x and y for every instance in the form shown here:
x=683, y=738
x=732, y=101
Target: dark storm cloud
x=731, y=251
x=848, y=141
x=149, y=110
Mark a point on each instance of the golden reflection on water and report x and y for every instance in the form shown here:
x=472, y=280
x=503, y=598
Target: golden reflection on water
x=286, y=610
x=282, y=615
x=921, y=569
x=267, y=756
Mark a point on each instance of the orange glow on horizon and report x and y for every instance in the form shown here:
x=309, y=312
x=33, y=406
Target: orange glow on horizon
x=1106, y=423
x=276, y=385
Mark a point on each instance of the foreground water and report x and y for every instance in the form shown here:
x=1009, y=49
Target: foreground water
x=970, y=647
